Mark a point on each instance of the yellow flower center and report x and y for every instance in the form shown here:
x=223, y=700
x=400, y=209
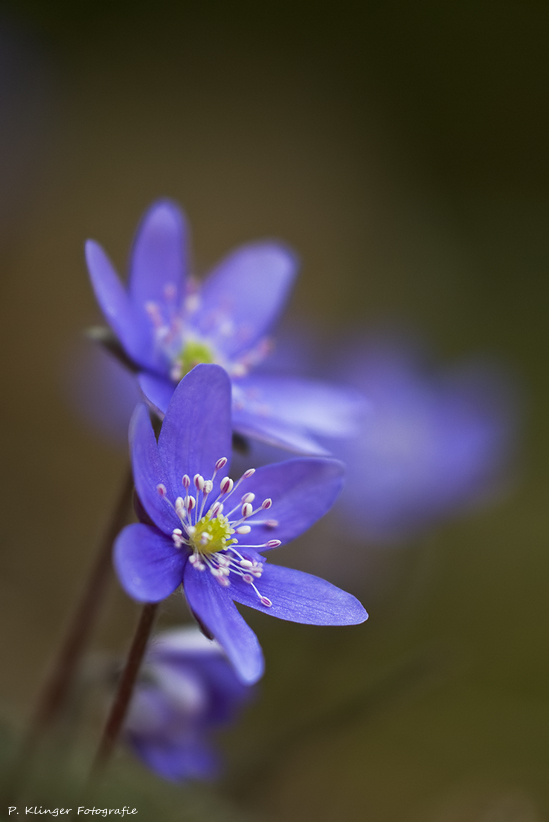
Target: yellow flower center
x=193, y=353
x=211, y=535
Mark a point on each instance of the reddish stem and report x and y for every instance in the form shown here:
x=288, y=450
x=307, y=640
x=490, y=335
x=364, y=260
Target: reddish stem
x=58, y=682
x=126, y=685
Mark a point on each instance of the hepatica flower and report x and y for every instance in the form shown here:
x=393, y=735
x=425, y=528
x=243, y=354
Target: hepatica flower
x=187, y=689
x=209, y=533
x=436, y=443
x=167, y=324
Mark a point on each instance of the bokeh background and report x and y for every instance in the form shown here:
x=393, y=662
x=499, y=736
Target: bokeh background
x=401, y=148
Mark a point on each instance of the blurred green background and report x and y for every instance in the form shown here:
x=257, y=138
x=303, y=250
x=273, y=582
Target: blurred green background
x=401, y=148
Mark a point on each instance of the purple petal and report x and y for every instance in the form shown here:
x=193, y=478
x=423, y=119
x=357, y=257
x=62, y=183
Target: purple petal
x=212, y=605
x=196, y=430
x=148, y=564
x=158, y=266
x=312, y=404
x=302, y=491
x=244, y=295
x=103, y=392
x=186, y=653
x=300, y=597
x=275, y=432
x=149, y=472
x=131, y=327
x=158, y=391
x=176, y=761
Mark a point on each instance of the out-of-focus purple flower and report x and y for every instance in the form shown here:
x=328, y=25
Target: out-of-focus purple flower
x=167, y=324
x=101, y=391
x=209, y=533
x=186, y=690
x=435, y=443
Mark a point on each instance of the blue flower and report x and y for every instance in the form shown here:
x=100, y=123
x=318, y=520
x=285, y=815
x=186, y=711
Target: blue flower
x=167, y=324
x=209, y=533
x=436, y=443
x=186, y=690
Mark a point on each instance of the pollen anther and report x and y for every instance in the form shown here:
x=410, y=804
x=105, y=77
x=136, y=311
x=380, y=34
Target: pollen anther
x=226, y=485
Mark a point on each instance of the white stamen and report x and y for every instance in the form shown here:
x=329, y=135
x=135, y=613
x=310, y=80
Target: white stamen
x=222, y=559
x=192, y=302
x=170, y=291
x=220, y=575
x=162, y=490
x=226, y=485
x=239, y=369
x=153, y=311
x=178, y=538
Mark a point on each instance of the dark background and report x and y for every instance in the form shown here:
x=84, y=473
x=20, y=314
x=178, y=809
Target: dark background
x=402, y=149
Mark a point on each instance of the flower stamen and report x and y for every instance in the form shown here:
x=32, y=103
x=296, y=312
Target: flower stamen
x=212, y=536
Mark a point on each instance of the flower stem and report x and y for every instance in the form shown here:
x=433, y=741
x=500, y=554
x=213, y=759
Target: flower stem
x=57, y=684
x=87, y=610
x=119, y=707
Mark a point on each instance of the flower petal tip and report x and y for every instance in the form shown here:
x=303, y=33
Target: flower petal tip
x=164, y=214
x=252, y=673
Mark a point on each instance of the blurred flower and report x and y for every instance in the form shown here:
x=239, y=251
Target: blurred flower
x=101, y=391
x=436, y=442
x=210, y=543
x=186, y=689
x=167, y=324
